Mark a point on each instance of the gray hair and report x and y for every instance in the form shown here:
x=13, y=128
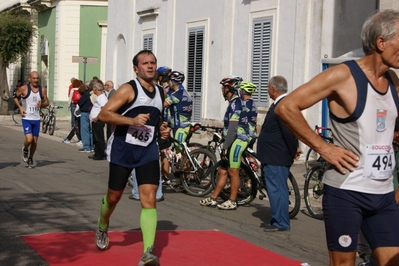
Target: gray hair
x=98, y=84
x=280, y=83
x=381, y=24
x=110, y=83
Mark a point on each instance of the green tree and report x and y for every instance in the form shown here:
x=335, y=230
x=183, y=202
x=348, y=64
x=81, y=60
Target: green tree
x=16, y=34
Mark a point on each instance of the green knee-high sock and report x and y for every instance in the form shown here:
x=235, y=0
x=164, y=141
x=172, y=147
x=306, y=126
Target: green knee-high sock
x=105, y=213
x=148, y=223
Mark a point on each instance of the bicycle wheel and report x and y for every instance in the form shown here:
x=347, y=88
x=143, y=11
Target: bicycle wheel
x=247, y=191
x=198, y=182
x=195, y=145
x=42, y=115
x=51, y=125
x=14, y=118
x=45, y=123
x=294, y=196
x=313, y=191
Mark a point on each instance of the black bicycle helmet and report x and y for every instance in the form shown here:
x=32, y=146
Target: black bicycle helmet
x=231, y=82
x=164, y=72
x=177, y=77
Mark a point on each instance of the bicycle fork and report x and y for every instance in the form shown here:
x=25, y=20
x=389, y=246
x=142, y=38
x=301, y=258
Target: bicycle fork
x=259, y=186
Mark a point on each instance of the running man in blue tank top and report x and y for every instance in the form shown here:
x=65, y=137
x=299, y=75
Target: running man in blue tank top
x=135, y=110
x=363, y=103
x=33, y=97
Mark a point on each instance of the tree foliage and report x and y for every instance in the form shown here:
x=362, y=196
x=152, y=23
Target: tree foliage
x=16, y=34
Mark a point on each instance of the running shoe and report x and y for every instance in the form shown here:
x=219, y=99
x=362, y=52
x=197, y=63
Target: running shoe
x=228, y=205
x=148, y=258
x=66, y=140
x=166, y=181
x=101, y=239
x=24, y=155
x=208, y=202
x=31, y=163
x=83, y=150
x=79, y=143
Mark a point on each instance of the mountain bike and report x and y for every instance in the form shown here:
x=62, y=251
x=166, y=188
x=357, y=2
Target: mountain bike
x=251, y=176
x=215, y=143
x=191, y=169
x=313, y=187
x=49, y=119
x=252, y=182
x=312, y=157
x=173, y=156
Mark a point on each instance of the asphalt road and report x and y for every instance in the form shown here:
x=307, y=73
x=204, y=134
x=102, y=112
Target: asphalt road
x=63, y=194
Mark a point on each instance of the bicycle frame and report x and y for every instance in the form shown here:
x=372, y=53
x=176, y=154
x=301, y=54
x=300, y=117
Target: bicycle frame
x=217, y=139
x=248, y=153
x=323, y=132
x=185, y=152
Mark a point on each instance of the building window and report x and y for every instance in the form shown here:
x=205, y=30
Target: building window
x=195, y=68
x=261, y=59
x=148, y=41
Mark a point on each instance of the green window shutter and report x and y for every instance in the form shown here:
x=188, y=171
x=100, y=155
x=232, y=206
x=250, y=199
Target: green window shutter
x=261, y=59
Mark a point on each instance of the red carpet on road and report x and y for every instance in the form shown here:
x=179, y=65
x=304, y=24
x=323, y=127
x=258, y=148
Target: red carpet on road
x=177, y=248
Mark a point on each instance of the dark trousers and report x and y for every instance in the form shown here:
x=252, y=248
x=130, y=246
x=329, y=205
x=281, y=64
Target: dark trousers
x=98, y=138
x=75, y=130
x=109, y=131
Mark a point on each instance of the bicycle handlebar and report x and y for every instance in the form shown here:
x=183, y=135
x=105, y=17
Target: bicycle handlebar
x=219, y=129
x=319, y=129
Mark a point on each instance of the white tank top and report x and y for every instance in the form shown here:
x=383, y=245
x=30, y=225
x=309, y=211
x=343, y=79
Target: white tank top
x=29, y=103
x=368, y=132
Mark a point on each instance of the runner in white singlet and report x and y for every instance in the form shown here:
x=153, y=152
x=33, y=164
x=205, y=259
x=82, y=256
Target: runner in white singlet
x=33, y=97
x=363, y=103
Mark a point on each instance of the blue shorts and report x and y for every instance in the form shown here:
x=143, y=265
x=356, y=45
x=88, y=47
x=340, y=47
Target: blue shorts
x=347, y=212
x=31, y=127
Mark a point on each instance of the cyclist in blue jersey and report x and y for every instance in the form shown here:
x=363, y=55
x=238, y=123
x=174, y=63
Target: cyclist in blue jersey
x=180, y=104
x=246, y=90
x=163, y=80
x=235, y=142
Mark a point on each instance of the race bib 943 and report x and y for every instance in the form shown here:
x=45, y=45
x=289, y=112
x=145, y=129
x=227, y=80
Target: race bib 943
x=141, y=136
x=379, y=161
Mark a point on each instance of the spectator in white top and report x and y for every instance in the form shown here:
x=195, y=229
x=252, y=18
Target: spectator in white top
x=96, y=125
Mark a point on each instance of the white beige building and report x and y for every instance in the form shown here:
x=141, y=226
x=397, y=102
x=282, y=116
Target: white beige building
x=254, y=39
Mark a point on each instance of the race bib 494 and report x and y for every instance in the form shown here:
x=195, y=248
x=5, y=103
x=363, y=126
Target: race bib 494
x=379, y=161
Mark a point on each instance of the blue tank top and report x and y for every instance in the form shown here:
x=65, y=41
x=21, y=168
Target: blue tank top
x=131, y=146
